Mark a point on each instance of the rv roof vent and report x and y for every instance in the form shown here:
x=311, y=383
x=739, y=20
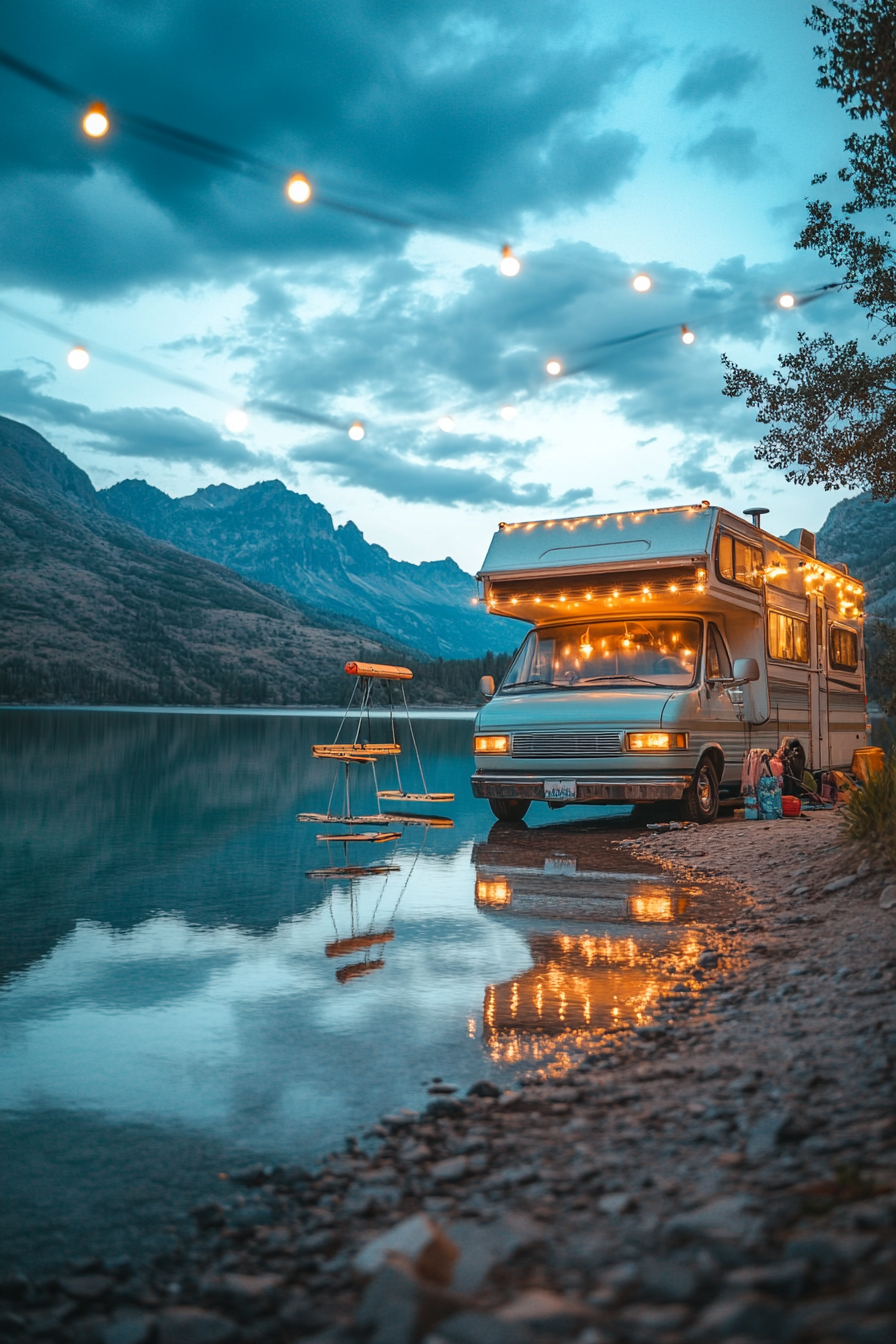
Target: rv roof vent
x=842, y=569
x=755, y=514
x=802, y=539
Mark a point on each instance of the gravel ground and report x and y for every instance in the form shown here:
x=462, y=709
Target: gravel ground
x=726, y=1172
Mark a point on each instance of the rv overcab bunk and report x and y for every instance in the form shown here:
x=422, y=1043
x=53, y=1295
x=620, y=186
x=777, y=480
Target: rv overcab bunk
x=665, y=644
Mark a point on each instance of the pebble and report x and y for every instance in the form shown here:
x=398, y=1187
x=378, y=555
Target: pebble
x=888, y=897
x=191, y=1325
x=451, y=1169
x=841, y=883
x=418, y=1240
x=616, y=1204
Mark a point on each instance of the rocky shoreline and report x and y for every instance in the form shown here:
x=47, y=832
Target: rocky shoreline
x=724, y=1171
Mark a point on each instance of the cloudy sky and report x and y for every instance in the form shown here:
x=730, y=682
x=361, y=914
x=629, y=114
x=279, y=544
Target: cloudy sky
x=599, y=138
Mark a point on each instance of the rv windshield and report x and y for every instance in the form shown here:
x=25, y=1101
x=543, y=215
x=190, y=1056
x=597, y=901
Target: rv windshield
x=656, y=652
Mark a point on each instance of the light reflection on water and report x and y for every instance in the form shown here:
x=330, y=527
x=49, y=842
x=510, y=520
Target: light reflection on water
x=169, y=959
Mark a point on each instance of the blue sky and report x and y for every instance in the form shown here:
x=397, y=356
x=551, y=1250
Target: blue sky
x=599, y=139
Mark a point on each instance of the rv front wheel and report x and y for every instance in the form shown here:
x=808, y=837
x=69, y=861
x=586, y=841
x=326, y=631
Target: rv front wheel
x=509, y=809
x=700, y=802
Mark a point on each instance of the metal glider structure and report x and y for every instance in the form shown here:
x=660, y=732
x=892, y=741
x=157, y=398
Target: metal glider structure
x=348, y=753
x=360, y=749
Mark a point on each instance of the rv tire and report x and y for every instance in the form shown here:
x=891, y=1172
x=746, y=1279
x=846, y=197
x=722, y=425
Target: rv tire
x=509, y=809
x=700, y=802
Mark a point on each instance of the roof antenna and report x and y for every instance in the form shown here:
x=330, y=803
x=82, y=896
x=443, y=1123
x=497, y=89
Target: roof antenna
x=755, y=514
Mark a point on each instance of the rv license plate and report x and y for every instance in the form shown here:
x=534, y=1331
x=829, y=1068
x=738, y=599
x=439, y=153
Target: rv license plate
x=559, y=790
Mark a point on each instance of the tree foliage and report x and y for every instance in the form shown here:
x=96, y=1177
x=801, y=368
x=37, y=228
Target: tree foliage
x=831, y=406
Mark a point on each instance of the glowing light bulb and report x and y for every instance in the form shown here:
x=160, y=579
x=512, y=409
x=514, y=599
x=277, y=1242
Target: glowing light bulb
x=510, y=265
x=786, y=301
x=236, y=420
x=446, y=423
x=554, y=367
x=687, y=335
x=509, y=412
x=298, y=189
x=77, y=358
x=642, y=283
x=95, y=121
x=356, y=431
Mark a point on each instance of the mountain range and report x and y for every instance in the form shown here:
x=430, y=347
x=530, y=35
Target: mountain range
x=274, y=535
x=252, y=596
x=92, y=610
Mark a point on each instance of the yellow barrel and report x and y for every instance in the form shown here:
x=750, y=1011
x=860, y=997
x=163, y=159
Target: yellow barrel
x=867, y=761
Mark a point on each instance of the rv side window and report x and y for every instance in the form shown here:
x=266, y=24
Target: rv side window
x=788, y=637
x=739, y=562
x=844, y=648
x=718, y=664
x=520, y=670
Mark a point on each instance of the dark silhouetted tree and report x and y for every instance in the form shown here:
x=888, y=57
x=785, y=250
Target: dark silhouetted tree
x=832, y=406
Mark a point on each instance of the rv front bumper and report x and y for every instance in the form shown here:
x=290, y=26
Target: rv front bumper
x=589, y=788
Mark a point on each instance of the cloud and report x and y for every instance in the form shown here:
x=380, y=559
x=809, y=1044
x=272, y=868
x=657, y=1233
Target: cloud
x=394, y=350
x=166, y=435
x=398, y=476
x=730, y=151
x=722, y=72
x=694, y=473
x=472, y=117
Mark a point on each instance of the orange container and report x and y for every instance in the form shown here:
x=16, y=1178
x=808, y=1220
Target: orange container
x=867, y=761
x=791, y=807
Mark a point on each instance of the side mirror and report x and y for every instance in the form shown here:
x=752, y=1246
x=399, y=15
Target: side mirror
x=746, y=669
x=487, y=686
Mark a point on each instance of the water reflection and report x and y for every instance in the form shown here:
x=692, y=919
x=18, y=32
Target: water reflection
x=550, y=882
x=168, y=960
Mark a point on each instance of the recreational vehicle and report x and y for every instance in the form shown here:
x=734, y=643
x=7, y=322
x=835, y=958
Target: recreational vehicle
x=664, y=645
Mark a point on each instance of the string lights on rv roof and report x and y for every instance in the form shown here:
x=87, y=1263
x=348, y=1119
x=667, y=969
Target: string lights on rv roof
x=599, y=519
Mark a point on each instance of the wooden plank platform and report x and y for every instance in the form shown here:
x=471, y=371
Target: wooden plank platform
x=355, y=870
x=364, y=837
x=397, y=796
x=360, y=968
x=361, y=942
x=355, y=751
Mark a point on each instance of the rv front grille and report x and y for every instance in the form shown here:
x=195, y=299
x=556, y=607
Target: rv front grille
x=544, y=746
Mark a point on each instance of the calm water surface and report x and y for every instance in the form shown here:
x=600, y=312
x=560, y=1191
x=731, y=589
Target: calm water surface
x=177, y=996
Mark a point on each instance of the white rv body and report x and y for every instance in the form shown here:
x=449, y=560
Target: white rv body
x=731, y=590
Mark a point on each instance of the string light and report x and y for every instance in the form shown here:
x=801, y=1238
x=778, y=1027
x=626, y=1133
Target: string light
x=298, y=189
x=77, y=358
x=786, y=301
x=446, y=424
x=554, y=367
x=508, y=412
x=510, y=265
x=642, y=283
x=687, y=335
x=356, y=431
x=95, y=121
x=236, y=421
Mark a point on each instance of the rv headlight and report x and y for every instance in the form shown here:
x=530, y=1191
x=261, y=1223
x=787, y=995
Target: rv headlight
x=655, y=741
x=492, y=745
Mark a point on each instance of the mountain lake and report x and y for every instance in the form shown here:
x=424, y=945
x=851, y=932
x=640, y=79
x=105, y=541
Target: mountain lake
x=179, y=999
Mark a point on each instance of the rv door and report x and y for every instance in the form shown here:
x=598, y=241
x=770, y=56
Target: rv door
x=724, y=708
x=819, y=746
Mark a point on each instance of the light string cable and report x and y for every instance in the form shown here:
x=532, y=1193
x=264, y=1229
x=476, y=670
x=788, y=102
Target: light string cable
x=278, y=409
x=592, y=355
x=218, y=155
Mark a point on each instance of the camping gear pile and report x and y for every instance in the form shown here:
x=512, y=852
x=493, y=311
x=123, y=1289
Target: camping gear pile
x=779, y=785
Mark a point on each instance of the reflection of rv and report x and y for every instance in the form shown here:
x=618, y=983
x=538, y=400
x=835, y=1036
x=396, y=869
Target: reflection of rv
x=665, y=644
x=603, y=933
